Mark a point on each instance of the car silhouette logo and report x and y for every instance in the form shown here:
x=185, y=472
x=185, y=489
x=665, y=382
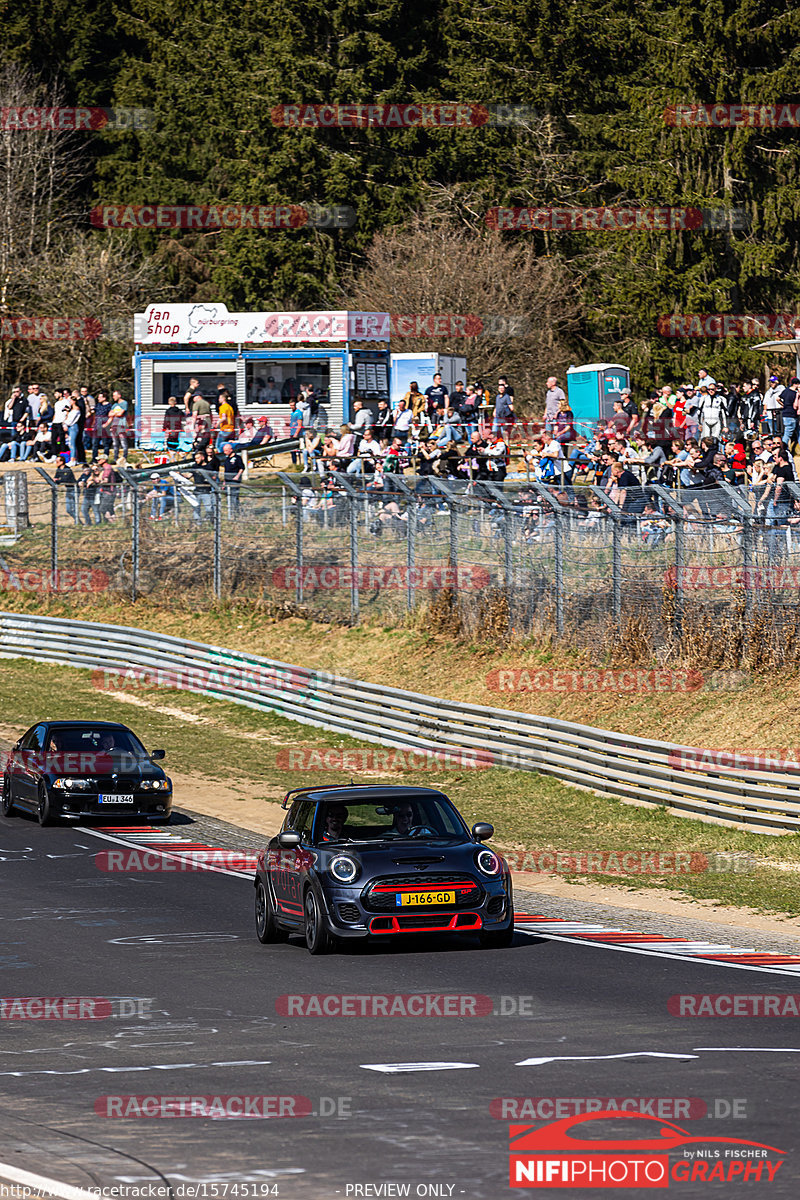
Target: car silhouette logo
x=557, y=1135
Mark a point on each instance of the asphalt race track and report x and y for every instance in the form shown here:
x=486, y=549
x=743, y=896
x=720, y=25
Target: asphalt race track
x=197, y=1012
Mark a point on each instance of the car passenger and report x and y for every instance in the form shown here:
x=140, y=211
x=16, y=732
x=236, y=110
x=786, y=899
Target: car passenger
x=403, y=824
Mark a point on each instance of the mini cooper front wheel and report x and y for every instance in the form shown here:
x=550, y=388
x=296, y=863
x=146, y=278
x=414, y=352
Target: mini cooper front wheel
x=318, y=940
x=267, y=928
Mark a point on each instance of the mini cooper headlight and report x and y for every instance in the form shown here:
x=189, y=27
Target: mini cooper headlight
x=343, y=869
x=487, y=862
x=72, y=785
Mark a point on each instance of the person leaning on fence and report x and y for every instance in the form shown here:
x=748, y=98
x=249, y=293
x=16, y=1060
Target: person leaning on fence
x=227, y=421
x=346, y=448
x=295, y=428
x=88, y=489
x=202, y=490
x=232, y=470
x=564, y=429
x=65, y=478
x=330, y=453
x=653, y=527
x=117, y=425
x=108, y=481
x=368, y=453
x=497, y=459
x=310, y=449
x=625, y=490
x=503, y=417
x=172, y=427
x=773, y=406
x=790, y=405
x=157, y=495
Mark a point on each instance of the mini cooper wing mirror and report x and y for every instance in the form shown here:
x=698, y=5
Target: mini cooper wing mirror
x=157, y=755
x=482, y=831
x=288, y=839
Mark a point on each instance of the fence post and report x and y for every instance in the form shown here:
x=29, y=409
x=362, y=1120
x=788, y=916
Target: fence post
x=748, y=539
x=680, y=551
x=354, y=499
x=559, y=513
x=298, y=533
x=411, y=542
x=216, y=492
x=53, y=526
x=354, y=613
x=615, y=513
x=283, y=506
x=134, y=487
x=508, y=545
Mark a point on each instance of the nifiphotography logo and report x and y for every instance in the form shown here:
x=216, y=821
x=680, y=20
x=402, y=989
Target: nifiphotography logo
x=569, y=1154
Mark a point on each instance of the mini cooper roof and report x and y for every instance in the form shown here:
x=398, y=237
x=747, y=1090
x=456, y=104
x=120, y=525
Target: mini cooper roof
x=353, y=794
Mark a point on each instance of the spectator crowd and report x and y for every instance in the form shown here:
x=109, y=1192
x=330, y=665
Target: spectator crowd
x=691, y=436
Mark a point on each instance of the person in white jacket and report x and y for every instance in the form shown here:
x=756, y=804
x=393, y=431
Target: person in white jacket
x=773, y=405
x=711, y=408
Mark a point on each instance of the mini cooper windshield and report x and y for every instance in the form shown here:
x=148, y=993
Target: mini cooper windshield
x=401, y=820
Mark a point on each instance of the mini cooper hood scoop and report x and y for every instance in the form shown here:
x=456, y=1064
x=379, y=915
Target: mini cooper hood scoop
x=419, y=863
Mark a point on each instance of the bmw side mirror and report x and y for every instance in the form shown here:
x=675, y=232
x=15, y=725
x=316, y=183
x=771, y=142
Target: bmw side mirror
x=157, y=755
x=17, y=745
x=482, y=831
x=289, y=839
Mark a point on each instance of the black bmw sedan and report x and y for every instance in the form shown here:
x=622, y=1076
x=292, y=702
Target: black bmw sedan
x=360, y=862
x=72, y=770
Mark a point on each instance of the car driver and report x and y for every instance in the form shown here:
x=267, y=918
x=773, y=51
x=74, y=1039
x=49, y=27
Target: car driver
x=335, y=819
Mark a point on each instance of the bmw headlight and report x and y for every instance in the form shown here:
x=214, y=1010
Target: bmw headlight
x=343, y=869
x=153, y=785
x=488, y=863
x=72, y=785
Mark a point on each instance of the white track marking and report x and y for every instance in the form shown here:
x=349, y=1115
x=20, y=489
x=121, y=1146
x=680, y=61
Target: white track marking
x=788, y=969
x=538, y=1062
x=198, y=867
x=48, y=1187
x=403, y=1068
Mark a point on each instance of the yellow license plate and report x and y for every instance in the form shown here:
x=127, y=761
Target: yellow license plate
x=427, y=898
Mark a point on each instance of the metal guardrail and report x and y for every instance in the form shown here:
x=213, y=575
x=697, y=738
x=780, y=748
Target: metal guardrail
x=613, y=764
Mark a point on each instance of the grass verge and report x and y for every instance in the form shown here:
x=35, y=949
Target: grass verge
x=228, y=743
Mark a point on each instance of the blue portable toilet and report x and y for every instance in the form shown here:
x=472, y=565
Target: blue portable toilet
x=592, y=390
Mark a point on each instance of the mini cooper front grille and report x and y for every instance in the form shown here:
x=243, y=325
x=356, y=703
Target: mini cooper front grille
x=381, y=895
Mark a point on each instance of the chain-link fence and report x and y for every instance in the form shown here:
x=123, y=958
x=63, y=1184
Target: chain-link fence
x=517, y=558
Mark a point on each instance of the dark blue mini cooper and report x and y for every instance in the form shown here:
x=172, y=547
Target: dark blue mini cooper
x=359, y=862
